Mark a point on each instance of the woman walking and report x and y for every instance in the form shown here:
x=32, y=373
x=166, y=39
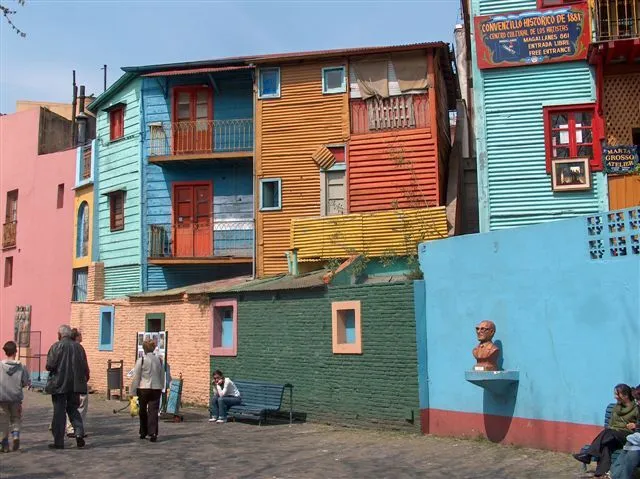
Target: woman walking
x=148, y=380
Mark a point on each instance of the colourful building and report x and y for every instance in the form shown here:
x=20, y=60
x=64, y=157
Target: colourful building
x=537, y=124
x=36, y=195
x=615, y=54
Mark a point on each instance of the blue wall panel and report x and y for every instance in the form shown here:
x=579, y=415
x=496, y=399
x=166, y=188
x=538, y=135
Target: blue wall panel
x=567, y=322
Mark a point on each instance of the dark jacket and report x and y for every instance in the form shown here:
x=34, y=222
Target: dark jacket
x=68, y=368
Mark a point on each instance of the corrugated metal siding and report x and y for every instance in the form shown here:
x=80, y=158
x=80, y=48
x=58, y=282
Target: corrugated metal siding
x=121, y=280
x=119, y=168
x=519, y=187
x=289, y=130
x=375, y=234
x=175, y=276
x=392, y=166
x=488, y=7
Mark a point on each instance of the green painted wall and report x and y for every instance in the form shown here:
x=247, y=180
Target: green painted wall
x=119, y=168
x=287, y=338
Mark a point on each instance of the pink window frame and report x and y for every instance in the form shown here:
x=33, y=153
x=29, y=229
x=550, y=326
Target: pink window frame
x=220, y=351
x=345, y=348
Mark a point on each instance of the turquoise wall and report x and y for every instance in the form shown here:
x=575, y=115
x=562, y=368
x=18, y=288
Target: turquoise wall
x=514, y=188
x=566, y=309
x=119, y=167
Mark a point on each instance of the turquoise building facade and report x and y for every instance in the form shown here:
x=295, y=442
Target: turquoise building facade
x=514, y=181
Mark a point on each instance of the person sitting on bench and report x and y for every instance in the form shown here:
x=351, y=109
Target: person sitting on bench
x=629, y=459
x=225, y=394
x=623, y=422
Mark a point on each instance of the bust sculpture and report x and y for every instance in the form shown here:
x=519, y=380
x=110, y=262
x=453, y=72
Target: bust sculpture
x=486, y=353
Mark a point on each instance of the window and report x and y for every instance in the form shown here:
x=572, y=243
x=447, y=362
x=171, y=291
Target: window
x=270, y=194
x=269, y=83
x=60, y=201
x=116, y=123
x=80, y=276
x=11, y=215
x=116, y=210
x=334, y=80
x=8, y=271
x=87, y=153
x=346, y=327
x=154, y=322
x=572, y=132
x=82, y=231
x=224, y=330
x=105, y=333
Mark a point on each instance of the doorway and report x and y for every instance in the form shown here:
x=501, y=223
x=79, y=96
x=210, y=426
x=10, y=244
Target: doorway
x=192, y=220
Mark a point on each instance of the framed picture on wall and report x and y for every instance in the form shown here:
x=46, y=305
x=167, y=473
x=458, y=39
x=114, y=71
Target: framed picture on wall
x=570, y=174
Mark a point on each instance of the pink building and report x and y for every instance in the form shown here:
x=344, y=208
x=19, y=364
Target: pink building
x=37, y=167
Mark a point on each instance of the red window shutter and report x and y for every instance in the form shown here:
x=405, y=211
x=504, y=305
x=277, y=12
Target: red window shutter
x=116, y=123
x=338, y=153
x=116, y=210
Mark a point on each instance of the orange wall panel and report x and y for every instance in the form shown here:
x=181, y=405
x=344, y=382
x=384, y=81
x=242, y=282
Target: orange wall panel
x=289, y=130
x=396, y=166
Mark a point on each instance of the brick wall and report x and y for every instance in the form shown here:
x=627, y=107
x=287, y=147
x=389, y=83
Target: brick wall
x=188, y=326
x=286, y=337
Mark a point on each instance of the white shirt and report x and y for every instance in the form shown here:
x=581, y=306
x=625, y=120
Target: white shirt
x=227, y=389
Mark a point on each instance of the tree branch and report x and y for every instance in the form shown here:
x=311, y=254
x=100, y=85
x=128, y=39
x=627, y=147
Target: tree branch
x=7, y=13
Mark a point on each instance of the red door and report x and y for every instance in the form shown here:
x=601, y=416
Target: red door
x=192, y=126
x=192, y=220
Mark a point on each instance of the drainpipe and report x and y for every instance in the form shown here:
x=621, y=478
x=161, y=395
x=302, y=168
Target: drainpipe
x=254, y=176
x=143, y=195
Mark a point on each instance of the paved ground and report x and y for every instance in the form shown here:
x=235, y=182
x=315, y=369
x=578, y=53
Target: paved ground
x=196, y=449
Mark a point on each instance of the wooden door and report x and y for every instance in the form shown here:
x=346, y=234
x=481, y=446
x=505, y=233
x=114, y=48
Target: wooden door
x=624, y=191
x=192, y=126
x=192, y=221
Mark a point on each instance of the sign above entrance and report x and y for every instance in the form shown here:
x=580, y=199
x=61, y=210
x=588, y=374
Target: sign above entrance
x=620, y=159
x=532, y=37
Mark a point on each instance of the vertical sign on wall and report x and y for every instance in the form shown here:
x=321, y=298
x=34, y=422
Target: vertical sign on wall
x=22, y=326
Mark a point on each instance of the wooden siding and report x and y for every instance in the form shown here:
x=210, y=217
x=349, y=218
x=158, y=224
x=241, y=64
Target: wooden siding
x=376, y=234
x=624, y=191
x=120, y=281
x=519, y=188
x=119, y=168
x=289, y=129
x=396, y=166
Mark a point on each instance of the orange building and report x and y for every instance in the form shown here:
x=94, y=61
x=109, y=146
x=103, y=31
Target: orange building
x=349, y=132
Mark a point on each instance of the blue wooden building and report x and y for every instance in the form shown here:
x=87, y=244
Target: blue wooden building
x=537, y=126
x=180, y=177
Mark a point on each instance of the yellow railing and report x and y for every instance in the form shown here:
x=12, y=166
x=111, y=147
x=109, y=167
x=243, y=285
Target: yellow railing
x=395, y=233
x=617, y=19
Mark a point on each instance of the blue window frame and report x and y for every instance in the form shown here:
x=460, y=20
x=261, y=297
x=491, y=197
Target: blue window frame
x=106, y=325
x=270, y=194
x=269, y=83
x=334, y=80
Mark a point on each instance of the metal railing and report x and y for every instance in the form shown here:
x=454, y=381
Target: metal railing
x=9, y=230
x=617, y=19
x=227, y=239
x=200, y=136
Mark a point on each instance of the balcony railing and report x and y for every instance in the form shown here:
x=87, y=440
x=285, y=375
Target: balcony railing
x=222, y=239
x=9, y=234
x=393, y=113
x=617, y=19
x=394, y=232
x=200, y=137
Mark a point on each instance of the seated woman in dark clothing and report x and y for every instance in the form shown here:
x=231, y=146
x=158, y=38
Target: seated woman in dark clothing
x=623, y=420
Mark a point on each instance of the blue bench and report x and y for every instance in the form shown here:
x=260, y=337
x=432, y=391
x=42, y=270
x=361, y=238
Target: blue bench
x=39, y=380
x=614, y=454
x=259, y=399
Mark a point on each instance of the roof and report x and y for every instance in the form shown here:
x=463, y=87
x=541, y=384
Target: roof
x=105, y=95
x=194, y=71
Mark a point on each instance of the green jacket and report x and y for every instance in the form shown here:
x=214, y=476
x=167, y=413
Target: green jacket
x=623, y=415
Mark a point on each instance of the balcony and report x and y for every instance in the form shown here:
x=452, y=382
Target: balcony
x=395, y=232
x=393, y=113
x=205, y=242
x=617, y=19
x=200, y=139
x=9, y=230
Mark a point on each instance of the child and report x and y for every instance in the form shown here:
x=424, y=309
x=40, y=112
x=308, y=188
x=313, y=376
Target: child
x=225, y=394
x=13, y=377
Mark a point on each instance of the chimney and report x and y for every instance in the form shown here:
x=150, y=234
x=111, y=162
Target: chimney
x=81, y=119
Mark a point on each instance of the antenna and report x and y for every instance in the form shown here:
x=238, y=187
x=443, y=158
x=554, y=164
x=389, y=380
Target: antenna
x=104, y=68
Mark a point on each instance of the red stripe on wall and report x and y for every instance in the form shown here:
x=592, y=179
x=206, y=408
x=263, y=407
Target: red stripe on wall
x=536, y=433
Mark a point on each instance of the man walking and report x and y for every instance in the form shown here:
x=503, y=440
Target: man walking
x=68, y=376
x=76, y=335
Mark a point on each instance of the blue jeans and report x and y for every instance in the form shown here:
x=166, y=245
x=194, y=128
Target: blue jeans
x=625, y=465
x=219, y=405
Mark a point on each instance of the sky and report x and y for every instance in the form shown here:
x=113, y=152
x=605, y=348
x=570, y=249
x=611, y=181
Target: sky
x=83, y=35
